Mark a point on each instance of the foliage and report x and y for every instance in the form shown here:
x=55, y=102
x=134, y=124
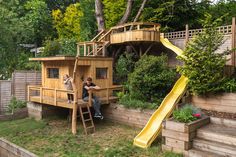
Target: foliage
x=60, y=46
x=151, y=79
x=124, y=66
x=68, y=24
x=115, y=9
x=185, y=114
x=15, y=104
x=224, y=7
x=39, y=21
x=228, y=85
x=87, y=22
x=202, y=65
x=128, y=102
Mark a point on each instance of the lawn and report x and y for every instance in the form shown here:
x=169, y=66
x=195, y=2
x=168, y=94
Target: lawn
x=52, y=138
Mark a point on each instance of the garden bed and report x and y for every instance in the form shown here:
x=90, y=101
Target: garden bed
x=18, y=114
x=178, y=136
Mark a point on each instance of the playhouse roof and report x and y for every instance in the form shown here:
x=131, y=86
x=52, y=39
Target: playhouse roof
x=68, y=58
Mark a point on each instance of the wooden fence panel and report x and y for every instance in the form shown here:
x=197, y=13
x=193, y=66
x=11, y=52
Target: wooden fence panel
x=17, y=87
x=21, y=79
x=5, y=94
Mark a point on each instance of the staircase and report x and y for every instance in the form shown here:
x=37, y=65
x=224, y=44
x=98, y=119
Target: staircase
x=218, y=139
x=97, y=46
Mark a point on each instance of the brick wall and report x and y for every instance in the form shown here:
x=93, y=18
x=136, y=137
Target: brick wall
x=132, y=117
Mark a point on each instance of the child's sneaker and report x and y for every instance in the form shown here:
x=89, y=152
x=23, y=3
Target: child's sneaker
x=98, y=116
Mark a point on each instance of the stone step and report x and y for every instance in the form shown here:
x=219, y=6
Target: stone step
x=199, y=153
x=218, y=133
x=224, y=122
x=214, y=147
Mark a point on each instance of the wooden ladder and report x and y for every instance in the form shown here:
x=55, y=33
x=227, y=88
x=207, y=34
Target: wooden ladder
x=86, y=118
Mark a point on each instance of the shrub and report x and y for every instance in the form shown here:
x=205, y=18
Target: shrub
x=124, y=66
x=15, y=104
x=202, y=65
x=59, y=46
x=186, y=114
x=151, y=79
x=129, y=102
x=51, y=48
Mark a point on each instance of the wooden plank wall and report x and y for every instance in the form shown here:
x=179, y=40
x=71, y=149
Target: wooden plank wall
x=20, y=81
x=5, y=94
x=221, y=103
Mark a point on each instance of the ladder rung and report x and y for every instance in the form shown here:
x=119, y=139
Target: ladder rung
x=87, y=120
x=90, y=127
x=85, y=112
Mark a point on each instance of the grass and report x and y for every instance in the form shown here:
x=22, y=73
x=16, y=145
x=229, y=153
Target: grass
x=53, y=138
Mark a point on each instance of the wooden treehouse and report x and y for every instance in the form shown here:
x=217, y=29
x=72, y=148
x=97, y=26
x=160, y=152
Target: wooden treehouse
x=91, y=60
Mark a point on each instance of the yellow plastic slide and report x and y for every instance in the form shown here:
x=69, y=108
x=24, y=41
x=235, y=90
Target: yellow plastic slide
x=153, y=127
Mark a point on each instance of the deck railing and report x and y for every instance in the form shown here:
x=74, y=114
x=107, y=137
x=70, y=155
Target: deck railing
x=39, y=91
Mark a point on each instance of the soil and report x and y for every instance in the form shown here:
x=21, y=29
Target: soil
x=220, y=114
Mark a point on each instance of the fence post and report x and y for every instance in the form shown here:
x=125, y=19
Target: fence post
x=233, y=41
x=186, y=35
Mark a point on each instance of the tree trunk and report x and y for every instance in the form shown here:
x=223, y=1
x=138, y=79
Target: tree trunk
x=99, y=15
x=140, y=10
x=127, y=12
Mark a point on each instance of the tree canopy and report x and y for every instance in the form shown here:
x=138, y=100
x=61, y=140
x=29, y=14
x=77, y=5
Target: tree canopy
x=39, y=22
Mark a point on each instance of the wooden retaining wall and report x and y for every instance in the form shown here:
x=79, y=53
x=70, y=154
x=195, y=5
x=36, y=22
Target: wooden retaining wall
x=8, y=149
x=21, y=113
x=131, y=117
x=221, y=103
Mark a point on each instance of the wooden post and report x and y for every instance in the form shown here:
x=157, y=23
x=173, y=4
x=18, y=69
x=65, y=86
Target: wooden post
x=41, y=94
x=28, y=96
x=93, y=48
x=78, y=49
x=90, y=98
x=233, y=41
x=55, y=97
x=84, y=49
x=186, y=34
x=107, y=94
x=74, y=114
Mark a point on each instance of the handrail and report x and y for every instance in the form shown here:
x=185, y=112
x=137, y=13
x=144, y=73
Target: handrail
x=107, y=92
x=98, y=35
x=136, y=23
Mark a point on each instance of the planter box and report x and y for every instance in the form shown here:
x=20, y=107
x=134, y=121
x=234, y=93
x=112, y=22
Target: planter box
x=178, y=136
x=18, y=114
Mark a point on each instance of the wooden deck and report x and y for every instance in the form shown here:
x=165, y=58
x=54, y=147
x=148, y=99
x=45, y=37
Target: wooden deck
x=63, y=102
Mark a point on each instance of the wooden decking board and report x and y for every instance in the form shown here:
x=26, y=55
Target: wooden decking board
x=214, y=147
x=200, y=153
x=213, y=132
